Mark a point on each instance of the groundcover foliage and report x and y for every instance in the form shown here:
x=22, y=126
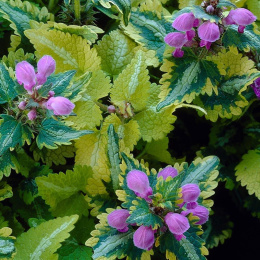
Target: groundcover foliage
x=99, y=100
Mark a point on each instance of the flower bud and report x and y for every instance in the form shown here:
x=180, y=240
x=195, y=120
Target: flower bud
x=138, y=182
x=184, y=22
x=117, y=219
x=32, y=115
x=190, y=192
x=51, y=93
x=22, y=105
x=25, y=75
x=111, y=109
x=168, y=171
x=45, y=66
x=177, y=223
x=61, y=106
x=199, y=211
x=256, y=87
x=210, y=9
x=144, y=238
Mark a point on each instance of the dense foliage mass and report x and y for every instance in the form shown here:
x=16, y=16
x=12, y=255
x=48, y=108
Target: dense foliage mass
x=118, y=120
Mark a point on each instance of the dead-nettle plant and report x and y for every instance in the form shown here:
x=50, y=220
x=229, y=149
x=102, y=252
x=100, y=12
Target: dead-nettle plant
x=90, y=91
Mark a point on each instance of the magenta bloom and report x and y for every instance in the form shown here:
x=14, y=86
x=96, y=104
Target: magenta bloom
x=177, y=40
x=210, y=9
x=45, y=66
x=61, y=106
x=192, y=205
x=144, y=238
x=184, y=22
x=199, y=211
x=32, y=115
x=242, y=17
x=177, y=223
x=138, y=182
x=190, y=192
x=256, y=87
x=111, y=109
x=117, y=219
x=168, y=171
x=25, y=75
x=208, y=33
x=22, y=105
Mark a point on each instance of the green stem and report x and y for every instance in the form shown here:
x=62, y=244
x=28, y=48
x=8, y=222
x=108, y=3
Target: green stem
x=77, y=9
x=139, y=156
x=52, y=4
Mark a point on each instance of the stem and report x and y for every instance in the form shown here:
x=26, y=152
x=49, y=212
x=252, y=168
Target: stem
x=77, y=9
x=102, y=106
x=52, y=4
x=142, y=153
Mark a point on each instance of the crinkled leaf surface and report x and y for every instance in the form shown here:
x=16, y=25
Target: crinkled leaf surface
x=6, y=164
x=42, y=241
x=7, y=248
x=53, y=133
x=247, y=171
x=5, y=191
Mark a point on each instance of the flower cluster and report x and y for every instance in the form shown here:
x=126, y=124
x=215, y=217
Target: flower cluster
x=207, y=32
x=32, y=82
x=177, y=221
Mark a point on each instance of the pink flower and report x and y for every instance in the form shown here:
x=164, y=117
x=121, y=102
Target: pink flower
x=138, y=182
x=184, y=22
x=256, y=87
x=168, y=171
x=111, y=109
x=144, y=238
x=32, y=115
x=210, y=9
x=208, y=33
x=22, y=105
x=25, y=75
x=177, y=223
x=177, y=40
x=190, y=192
x=45, y=66
x=199, y=211
x=117, y=219
x=241, y=16
x=61, y=106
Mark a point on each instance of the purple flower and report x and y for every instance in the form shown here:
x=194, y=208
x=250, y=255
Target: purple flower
x=199, y=211
x=138, y=182
x=168, y=171
x=61, y=106
x=25, y=75
x=177, y=40
x=210, y=9
x=241, y=16
x=51, y=93
x=256, y=87
x=22, y=105
x=32, y=115
x=208, y=33
x=184, y=22
x=117, y=219
x=45, y=66
x=177, y=223
x=190, y=192
x=192, y=205
x=111, y=109
x=144, y=238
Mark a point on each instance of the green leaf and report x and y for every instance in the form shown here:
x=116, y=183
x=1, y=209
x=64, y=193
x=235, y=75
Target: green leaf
x=247, y=171
x=226, y=3
x=7, y=86
x=123, y=6
x=253, y=6
x=5, y=191
x=113, y=155
x=149, y=30
x=6, y=164
x=44, y=239
x=250, y=39
x=132, y=84
x=116, y=51
x=70, y=52
x=186, y=77
x=7, y=248
x=12, y=133
x=53, y=133
x=58, y=83
x=63, y=192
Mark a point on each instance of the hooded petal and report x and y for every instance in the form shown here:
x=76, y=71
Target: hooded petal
x=25, y=75
x=117, y=219
x=190, y=192
x=209, y=32
x=61, y=106
x=168, y=171
x=177, y=223
x=45, y=66
x=199, y=211
x=176, y=39
x=32, y=115
x=144, y=238
x=184, y=22
x=242, y=16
